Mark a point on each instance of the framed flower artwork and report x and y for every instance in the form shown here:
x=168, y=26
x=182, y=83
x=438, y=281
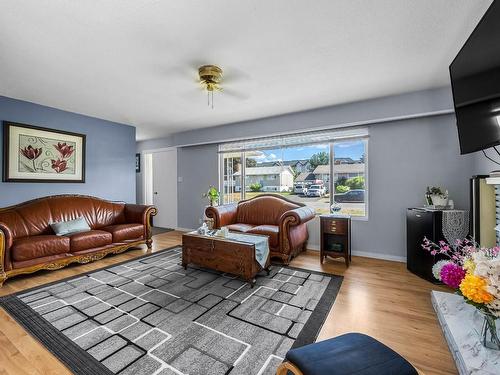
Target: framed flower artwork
x=34, y=154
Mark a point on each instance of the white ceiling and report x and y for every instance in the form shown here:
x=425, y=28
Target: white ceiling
x=134, y=61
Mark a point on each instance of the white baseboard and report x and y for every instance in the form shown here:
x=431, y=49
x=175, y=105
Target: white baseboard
x=184, y=229
x=367, y=254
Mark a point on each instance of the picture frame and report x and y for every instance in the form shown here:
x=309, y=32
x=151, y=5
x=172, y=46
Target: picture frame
x=36, y=154
x=137, y=163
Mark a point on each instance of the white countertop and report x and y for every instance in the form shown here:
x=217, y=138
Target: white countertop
x=461, y=324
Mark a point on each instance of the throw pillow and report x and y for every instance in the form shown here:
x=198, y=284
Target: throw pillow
x=65, y=228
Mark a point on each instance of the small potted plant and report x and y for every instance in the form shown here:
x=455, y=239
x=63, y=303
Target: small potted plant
x=438, y=196
x=213, y=195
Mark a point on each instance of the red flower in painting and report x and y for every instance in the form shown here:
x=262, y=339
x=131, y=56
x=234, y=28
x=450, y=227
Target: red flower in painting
x=59, y=165
x=31, y=153
x=65, y=150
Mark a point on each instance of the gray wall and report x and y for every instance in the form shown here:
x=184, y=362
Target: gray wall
x=484, y=166
x=198, y=168
x=367, y=111
x=110, y=166
x=404, y=157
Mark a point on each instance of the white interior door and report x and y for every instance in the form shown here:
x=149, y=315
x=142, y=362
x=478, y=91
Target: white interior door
x=164, y=186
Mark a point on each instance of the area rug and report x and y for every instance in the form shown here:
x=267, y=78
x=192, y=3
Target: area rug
x=150, y=316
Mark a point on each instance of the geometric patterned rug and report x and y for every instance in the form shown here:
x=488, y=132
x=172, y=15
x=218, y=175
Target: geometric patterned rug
x=150, y=316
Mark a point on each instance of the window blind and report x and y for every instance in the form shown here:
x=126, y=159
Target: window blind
x=293, y=140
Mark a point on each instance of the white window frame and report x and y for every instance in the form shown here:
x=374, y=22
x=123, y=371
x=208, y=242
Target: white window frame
x=221, y=176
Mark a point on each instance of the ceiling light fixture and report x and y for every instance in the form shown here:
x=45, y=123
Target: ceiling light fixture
x=210, y=78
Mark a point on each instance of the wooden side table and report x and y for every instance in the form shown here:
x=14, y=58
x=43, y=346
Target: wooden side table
x=335, y=233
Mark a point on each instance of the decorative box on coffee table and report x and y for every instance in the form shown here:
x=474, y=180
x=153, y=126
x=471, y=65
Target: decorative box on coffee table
x=335, y=234
x=235, y=254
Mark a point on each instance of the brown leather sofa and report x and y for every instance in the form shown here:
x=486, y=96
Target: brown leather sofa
x=282, y=220
x=28, y=244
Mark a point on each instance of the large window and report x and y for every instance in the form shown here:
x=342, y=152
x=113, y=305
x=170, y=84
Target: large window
x=299, y=167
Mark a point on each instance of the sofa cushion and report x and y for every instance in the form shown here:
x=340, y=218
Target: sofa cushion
x=124, y=232
x=89, y=240
x=26, y=248
x=240, y=227
x=352, y=353
x=272, y=231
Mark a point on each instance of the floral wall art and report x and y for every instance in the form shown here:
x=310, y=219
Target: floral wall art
x=34, y=154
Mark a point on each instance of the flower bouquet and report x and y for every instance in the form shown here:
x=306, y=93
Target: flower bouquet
x=474, y=273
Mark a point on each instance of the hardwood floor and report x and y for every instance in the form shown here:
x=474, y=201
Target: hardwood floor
x=379, y=298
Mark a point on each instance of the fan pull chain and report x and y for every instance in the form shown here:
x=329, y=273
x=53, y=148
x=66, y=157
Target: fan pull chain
x=210, y=93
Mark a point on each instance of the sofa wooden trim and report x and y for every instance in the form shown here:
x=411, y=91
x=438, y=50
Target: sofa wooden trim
x=63, y=262
x=286, y=367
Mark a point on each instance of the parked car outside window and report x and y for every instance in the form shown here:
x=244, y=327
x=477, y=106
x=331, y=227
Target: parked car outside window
x=300, y=189
x=316, y=191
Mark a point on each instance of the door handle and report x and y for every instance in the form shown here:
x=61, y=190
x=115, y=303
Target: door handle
x=155, y=193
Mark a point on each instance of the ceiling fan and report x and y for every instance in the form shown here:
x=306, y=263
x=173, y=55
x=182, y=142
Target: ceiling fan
x=211, y=78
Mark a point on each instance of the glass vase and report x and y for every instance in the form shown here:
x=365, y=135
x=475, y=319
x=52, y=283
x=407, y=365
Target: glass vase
x=489, y=334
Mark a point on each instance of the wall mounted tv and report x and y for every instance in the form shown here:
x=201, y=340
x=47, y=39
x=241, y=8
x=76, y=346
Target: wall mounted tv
x=475, y=79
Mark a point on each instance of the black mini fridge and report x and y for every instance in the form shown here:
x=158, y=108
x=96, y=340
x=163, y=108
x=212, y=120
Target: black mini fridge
x=421, y=223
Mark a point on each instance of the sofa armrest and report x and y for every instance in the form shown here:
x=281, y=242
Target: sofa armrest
x=138, y=213
x=297, y=216
x=222, y=215
x=6, y=240
x=293, y=230
x=141, y=214
x=7, y=234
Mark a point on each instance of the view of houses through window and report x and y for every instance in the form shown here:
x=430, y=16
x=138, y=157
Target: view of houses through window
x=302, y=174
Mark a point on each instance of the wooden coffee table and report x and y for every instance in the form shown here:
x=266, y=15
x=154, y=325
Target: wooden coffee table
x=222, y=254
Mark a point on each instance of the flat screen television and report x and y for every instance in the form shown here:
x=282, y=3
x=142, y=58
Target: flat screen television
x=475, y=79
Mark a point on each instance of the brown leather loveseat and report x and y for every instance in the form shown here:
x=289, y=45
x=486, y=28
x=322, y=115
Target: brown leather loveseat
x=282, y=220
x=28, y=244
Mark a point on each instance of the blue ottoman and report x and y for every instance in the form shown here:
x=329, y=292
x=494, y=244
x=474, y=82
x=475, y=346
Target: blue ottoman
x=353, y=353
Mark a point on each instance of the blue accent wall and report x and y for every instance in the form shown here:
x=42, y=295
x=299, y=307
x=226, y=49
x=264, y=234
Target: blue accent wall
x=110, y=156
